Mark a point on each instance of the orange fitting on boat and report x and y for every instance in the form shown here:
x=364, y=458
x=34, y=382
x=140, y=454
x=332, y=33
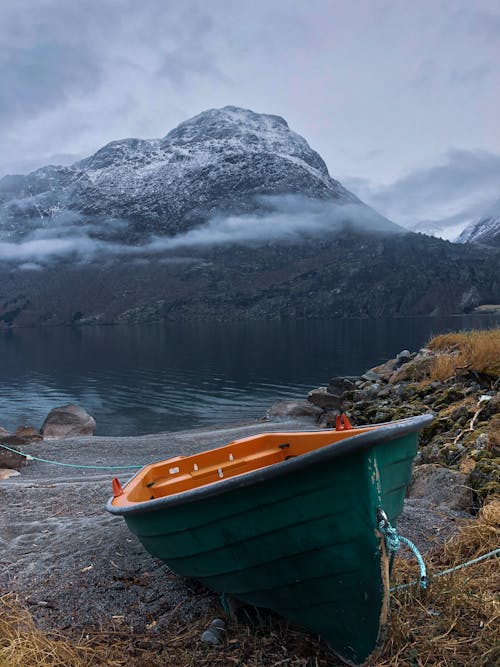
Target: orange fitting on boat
x=117, y=487
x=342, y=423
x=345, y=421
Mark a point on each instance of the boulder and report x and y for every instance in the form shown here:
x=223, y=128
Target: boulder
x=338, y=385
x=371, y=376
x=8, y=459
x=3, y=431
x=416, y=369
x=441, y=486
x=403, y=357
x=324, y=399
x=28, y=433
x=5, y=473
x=68, y=421
x=293, y=409
x=385, y=370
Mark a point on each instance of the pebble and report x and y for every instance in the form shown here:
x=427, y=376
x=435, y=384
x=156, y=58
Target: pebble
x=214, y=634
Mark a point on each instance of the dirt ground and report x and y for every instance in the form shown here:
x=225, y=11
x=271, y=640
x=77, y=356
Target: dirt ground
x=77, y=567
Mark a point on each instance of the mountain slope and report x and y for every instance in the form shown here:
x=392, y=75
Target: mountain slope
x=230, y=216
x=222, y=162
x=485, y=230
x=350, y=275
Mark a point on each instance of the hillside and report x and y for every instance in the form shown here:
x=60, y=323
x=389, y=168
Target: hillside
x=230, y=216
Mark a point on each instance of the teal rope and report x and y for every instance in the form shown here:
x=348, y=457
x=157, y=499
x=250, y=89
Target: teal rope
x=495, y=552
x=393, y=541
x=69, y=465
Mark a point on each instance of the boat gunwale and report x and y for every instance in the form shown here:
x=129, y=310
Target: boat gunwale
x=380, y=433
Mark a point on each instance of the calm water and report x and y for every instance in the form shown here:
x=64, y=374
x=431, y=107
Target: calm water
x=145, y=379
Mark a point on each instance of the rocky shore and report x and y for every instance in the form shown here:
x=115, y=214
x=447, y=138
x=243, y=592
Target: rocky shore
x=79, y=569
x=464, y=437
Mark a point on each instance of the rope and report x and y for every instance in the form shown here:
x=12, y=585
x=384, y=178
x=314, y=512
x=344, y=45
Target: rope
x=495, y=552
x=393, y=541
x=69, y=465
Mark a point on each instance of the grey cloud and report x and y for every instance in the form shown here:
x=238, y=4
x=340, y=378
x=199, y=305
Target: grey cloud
x=450, y=193
x=52, y=50
x=476, y=74
x=461, y=172
x=42, y=76
x=485, y=25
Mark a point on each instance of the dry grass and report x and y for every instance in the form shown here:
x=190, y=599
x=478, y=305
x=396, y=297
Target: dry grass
x=457, y=621
x=472, y=350
x=22, y=644
x=453, y=624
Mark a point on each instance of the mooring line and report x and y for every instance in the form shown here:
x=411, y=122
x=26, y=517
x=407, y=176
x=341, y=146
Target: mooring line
x=29, y=457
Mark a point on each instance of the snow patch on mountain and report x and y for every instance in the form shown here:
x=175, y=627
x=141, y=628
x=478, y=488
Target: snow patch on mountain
x=485, y=230
x=223, y=162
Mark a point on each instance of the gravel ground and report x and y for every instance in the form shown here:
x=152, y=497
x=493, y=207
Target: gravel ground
x=79, y=568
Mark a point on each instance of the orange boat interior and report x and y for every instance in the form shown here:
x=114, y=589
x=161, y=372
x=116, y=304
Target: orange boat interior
x=184, y=473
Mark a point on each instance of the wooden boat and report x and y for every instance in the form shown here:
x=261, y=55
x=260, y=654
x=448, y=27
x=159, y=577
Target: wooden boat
x=285, y=521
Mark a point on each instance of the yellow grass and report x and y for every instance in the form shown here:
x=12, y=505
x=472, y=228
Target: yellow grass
x=22, y=644
x=470, y=350
x=456, y=623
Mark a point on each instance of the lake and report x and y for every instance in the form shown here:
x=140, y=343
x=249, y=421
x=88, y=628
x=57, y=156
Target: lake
x=145, y=379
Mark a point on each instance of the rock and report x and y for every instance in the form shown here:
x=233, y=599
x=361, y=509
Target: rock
x=482, y=441
x=371, y=376
x=5, y=473
x=385, y=370
x=324, y=399
x=385, y=392
x=293, y=409
x=215, y=632
x=338, y=385
x=68, y=421
x=485, y=478
x=403, y=358
x=28, y=433
x=493, y=406
x=441, y=486
x=11, y=460
x=3, y=431
x=416, y=369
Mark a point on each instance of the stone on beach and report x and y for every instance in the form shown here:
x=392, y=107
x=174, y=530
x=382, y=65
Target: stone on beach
x=5, y=473
x=28, y=433
x=441, y=486
x=293, y=409
x=68, y=421
x=9, y=459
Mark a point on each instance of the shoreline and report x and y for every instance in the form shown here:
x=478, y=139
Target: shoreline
x=79, y=570
x=66, y=558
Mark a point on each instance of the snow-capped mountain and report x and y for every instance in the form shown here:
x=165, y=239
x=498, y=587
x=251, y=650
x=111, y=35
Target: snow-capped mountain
x=485, y=230
x=230, y=216
x=223, y=161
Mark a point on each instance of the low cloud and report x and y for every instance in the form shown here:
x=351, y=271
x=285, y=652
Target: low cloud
x=291, y=219
x=448, y=195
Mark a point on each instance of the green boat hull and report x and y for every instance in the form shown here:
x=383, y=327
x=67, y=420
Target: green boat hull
x=300, y=538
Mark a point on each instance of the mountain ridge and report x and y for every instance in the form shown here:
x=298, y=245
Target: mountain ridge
x=221, y=162
x=484, y=230
x=231, y=215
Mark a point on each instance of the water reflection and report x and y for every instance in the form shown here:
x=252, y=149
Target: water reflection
x=150, y=378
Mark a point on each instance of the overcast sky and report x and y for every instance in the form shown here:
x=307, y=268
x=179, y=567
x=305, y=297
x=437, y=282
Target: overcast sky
x=401, y=98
